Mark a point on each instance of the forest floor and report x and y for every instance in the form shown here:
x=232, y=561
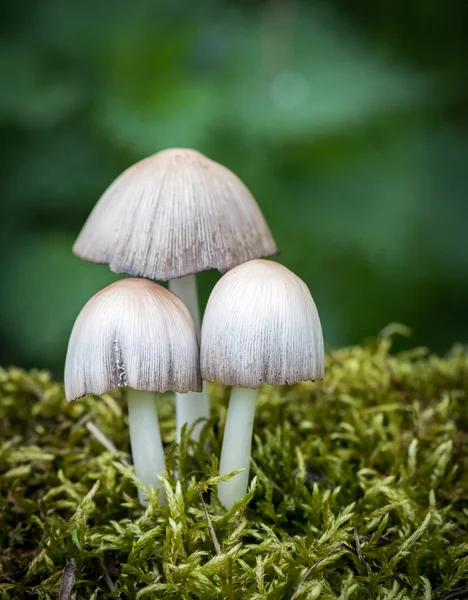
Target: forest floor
x=359, y=491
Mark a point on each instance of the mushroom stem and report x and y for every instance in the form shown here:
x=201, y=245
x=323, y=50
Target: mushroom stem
x=145, y=438
x=189, y=408
x=186, y=289
x=237, y=445
x=194, y=405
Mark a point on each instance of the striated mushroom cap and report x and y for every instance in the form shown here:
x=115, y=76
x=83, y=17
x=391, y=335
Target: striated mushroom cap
x=133, y=333
x=174, y=214
x=261, y=326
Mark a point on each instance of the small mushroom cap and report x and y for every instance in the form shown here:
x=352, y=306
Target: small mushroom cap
x=133, y=333
x=261, y=326
x=174, y=214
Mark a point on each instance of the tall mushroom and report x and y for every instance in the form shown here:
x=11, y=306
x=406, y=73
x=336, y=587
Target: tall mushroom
x=261, y=326
x=169, y=217
x=138, y=335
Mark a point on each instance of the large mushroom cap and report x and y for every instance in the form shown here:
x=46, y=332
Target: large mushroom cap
x=261, y=327
x=133, y=333
x=174, y=214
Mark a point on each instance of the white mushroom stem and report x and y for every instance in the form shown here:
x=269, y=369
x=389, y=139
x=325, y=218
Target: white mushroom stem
x=194, y=405
x=237, y=445
x=145, y=438
x=186, y=289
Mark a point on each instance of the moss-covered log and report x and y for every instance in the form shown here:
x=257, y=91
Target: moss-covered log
x=359, y=491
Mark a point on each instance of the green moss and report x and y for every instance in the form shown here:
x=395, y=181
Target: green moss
x=360, y=491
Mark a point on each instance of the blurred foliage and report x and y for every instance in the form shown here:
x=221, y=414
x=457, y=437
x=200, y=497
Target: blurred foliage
x=346, y=120
x=359, y=491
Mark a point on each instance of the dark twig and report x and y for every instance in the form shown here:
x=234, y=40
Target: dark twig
x=210, y=526
x=104, y=440
x=84, y=419
x=107, y=578
x=456, y=594
x=68, y=580
x=310, y=569
x=357, y=543
x=226, y=581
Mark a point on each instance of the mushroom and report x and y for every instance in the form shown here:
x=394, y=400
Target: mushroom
x=139, y=335
x=261, y=326
x=169, y=217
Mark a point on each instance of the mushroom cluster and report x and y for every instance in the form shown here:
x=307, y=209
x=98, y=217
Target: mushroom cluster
x=166, y=218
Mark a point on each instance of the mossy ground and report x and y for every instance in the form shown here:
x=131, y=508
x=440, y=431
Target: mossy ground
x=360, y=491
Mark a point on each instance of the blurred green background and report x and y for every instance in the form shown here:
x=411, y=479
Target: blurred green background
x=347, y=120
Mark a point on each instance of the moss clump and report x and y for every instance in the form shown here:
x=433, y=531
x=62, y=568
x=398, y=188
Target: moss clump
x=360, y=491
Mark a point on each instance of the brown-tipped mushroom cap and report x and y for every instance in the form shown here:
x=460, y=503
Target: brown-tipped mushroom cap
x=261, y=327
x=173, y=214
x=133, y=333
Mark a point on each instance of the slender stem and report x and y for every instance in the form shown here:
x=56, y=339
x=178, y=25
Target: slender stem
x=237, y=445
x=192, y=406
x=186, y=289
x=145, y=438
